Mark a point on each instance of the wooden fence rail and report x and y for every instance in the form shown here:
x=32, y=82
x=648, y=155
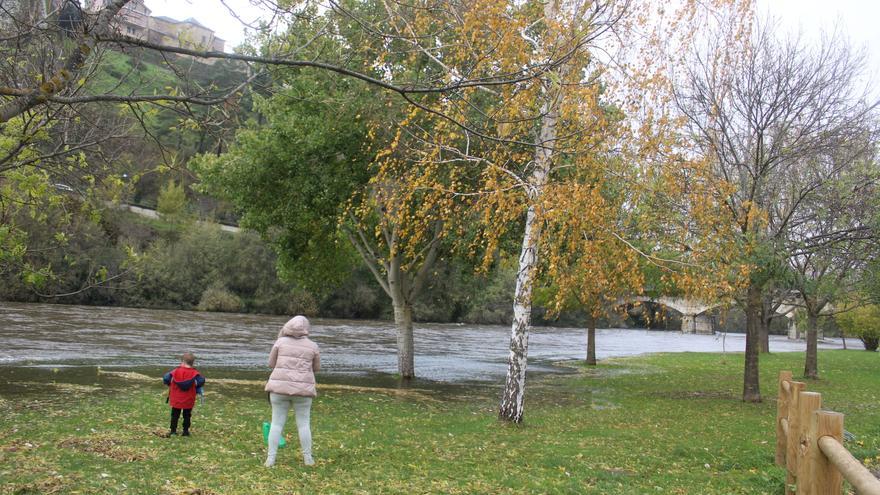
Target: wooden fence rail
x=809, y=444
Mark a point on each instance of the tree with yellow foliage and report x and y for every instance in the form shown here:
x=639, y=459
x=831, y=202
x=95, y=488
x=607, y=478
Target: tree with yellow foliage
x=542, y=141
x=590, y=267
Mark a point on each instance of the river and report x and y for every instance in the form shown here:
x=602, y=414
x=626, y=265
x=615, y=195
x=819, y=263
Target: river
x=58, y=336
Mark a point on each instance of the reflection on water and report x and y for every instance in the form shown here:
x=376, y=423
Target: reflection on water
x=56, y=336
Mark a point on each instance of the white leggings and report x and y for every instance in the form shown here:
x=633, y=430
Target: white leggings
x=280, y=406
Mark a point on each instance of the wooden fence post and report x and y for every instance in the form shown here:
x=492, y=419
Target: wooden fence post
x=781, y=413
x=825, y=478
x=791, y=442
x=808, y=403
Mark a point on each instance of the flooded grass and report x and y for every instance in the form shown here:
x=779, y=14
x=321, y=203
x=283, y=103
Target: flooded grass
x=656, y=424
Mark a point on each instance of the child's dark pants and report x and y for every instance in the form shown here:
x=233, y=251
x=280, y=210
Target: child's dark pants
x=175, y=416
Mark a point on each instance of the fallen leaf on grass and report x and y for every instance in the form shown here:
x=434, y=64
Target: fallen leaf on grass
x=63, y=387
x=45, y=486
x=194, y=491
x=104, y=447
x=148, y=430
x=17, y=445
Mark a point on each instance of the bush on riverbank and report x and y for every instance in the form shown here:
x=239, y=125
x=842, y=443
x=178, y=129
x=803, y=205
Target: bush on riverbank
x=174, y=266
x=669, y=423
x=864, y=323
x=218, y=298
x=186, y=265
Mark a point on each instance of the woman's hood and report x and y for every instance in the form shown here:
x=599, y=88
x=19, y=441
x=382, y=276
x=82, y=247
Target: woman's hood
x=296, y=327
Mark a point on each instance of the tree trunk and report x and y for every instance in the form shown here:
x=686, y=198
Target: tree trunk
x=512, y=398
x=591, y=340
x=811, y=363
x=870, y=343
x=515, y=385
x=764, y=331
x=405, y=345
x=402, y=315
x=754, y=303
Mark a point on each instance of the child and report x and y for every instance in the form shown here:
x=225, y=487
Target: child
x=183, y=384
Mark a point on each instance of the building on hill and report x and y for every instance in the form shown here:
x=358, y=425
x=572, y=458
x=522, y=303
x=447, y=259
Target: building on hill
x=137, y=22
x=135, y=18
x=186, y=33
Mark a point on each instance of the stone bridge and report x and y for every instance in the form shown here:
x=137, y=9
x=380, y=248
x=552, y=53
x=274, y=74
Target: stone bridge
x=695, y=320
x=789, y=310
x=693, y=312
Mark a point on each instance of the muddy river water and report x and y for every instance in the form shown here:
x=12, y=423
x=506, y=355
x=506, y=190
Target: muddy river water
x=65, y=337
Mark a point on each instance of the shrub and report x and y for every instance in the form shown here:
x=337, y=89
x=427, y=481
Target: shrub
x=218, y=298
x=359, y=296
x=302, y=302
x=864, y=323
x=172, y=200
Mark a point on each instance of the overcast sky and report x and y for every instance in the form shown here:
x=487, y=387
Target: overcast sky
x=858, y=19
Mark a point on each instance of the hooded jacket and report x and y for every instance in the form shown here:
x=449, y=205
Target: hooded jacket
x=182, y=384
x=294, y=360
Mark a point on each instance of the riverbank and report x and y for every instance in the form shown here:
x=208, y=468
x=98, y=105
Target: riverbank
x=668, y=423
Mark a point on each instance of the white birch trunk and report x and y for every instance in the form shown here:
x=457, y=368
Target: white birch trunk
x=513, y=398
x=515, y=385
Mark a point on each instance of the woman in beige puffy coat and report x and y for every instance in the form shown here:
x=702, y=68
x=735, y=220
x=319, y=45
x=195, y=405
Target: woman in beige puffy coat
x=294, y=360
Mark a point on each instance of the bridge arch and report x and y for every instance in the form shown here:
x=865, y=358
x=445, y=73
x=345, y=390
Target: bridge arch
x=693, y=311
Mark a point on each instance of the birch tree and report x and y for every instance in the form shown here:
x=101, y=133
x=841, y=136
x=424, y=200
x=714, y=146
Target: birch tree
x=532, y=138
x=568, y=121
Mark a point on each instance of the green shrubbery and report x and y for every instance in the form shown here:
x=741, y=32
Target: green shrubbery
x=171, y=203
x=218, y=298
x=159, y=265
x=213, y=270
x=864, y=323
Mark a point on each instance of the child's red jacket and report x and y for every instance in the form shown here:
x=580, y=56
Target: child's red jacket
x=182, y=383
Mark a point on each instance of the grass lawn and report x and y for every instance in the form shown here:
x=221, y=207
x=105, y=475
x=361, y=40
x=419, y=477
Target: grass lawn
x=667, y=423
